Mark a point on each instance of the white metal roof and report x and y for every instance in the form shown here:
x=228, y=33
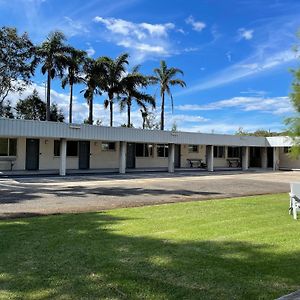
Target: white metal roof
x=43, y=129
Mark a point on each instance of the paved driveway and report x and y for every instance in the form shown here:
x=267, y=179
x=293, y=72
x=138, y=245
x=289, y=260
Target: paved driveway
x=48, y=195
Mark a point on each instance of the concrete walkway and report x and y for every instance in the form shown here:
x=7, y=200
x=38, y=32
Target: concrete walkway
x=49, y=195
x=292, y=296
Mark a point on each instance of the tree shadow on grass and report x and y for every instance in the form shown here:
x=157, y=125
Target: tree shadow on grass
x=88, y=256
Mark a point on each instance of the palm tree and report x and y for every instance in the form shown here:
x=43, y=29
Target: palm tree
x=93, y=70
x=52, y=52
x=131, y=82
x=75, y=63
x=112, y=83
x=144, y=113
x=164, y=76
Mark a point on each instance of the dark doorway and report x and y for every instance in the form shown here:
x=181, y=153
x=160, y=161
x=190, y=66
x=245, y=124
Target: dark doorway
x=130, y=156
x=270, y=157
x=32, y=154
x=177, y=156
x=84, y=155
x=255, y=157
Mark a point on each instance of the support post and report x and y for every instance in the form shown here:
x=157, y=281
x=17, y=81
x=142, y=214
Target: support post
x=122, y=158
x=171, y=158
x=210, y=158
x=264, y=158
x=275, y=158
x=245, y=158
x=63, y=157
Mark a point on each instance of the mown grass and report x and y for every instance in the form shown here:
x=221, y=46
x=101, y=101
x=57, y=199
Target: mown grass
x=244, y=248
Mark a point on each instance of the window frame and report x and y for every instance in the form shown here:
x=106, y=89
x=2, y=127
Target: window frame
x=165, y=150
x=9, y=146
x=147, y=150
x=68, y=147
x=286, y=150
x=235, y=150
x=108, y=149
x=192, y=148
x=218, y=153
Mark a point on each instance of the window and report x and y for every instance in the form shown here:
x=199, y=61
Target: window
x=72, y=148
x=8, y=147
x=286, y=149
x=143, y=150
x=56, y=148
x=162, y=150
x=108, y=146
x=219, y=151
x=12, y=147
x=193, y=148
x=234, y=152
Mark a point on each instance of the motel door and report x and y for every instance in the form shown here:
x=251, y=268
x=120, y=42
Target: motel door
x=32, y=154
x=130, y=156
x=255, y=157
x=84, y=155
x=270, y=157
x=177, y=156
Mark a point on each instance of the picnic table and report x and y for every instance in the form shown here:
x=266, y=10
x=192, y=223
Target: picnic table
x=234, y=162
x=196, y=162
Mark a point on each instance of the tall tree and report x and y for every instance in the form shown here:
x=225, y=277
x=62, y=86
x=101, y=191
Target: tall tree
x=53, y=55
x=33, y=108
x=294, y=122
x=165, y=77
x=93, y=71
x=17, y=61
x=6, y=110
x=112, y=80
x=75, y=62
x=131, y=83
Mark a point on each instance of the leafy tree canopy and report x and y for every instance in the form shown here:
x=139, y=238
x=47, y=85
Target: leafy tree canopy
x=259, y=132
x=294, y=122
x=17, y=61
x=33, y=108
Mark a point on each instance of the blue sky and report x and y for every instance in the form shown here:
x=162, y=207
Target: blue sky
x=235, y=55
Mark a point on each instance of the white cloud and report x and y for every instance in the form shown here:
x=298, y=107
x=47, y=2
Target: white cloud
x=246, y=34
x=248, y=67
x=143, y=39
x=90, y=50
x=275, y=105
x=72, y=27
x=196, y=25
x=231, y=127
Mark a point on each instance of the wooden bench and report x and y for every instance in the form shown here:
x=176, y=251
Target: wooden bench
x=10, y=160
x=234, y=162
x=197, y=163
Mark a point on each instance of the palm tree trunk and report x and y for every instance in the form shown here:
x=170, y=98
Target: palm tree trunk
x=71, y=103
x=91, y=110
x=111, y=112
x=128, y=115
x=162, y=116
x=48, y=104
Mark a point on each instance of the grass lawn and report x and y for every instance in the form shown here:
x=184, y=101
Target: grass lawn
x=243, y=248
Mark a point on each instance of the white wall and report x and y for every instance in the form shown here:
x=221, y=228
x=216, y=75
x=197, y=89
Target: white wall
x=152, y=161
x=286, y=162
x=103, y=159
x=19, y=163
x=201, y=154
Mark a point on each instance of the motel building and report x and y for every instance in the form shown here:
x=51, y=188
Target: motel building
x=28, y=146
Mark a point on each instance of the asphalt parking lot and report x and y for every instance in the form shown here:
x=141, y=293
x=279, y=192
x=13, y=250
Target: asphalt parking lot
x=50, y=195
